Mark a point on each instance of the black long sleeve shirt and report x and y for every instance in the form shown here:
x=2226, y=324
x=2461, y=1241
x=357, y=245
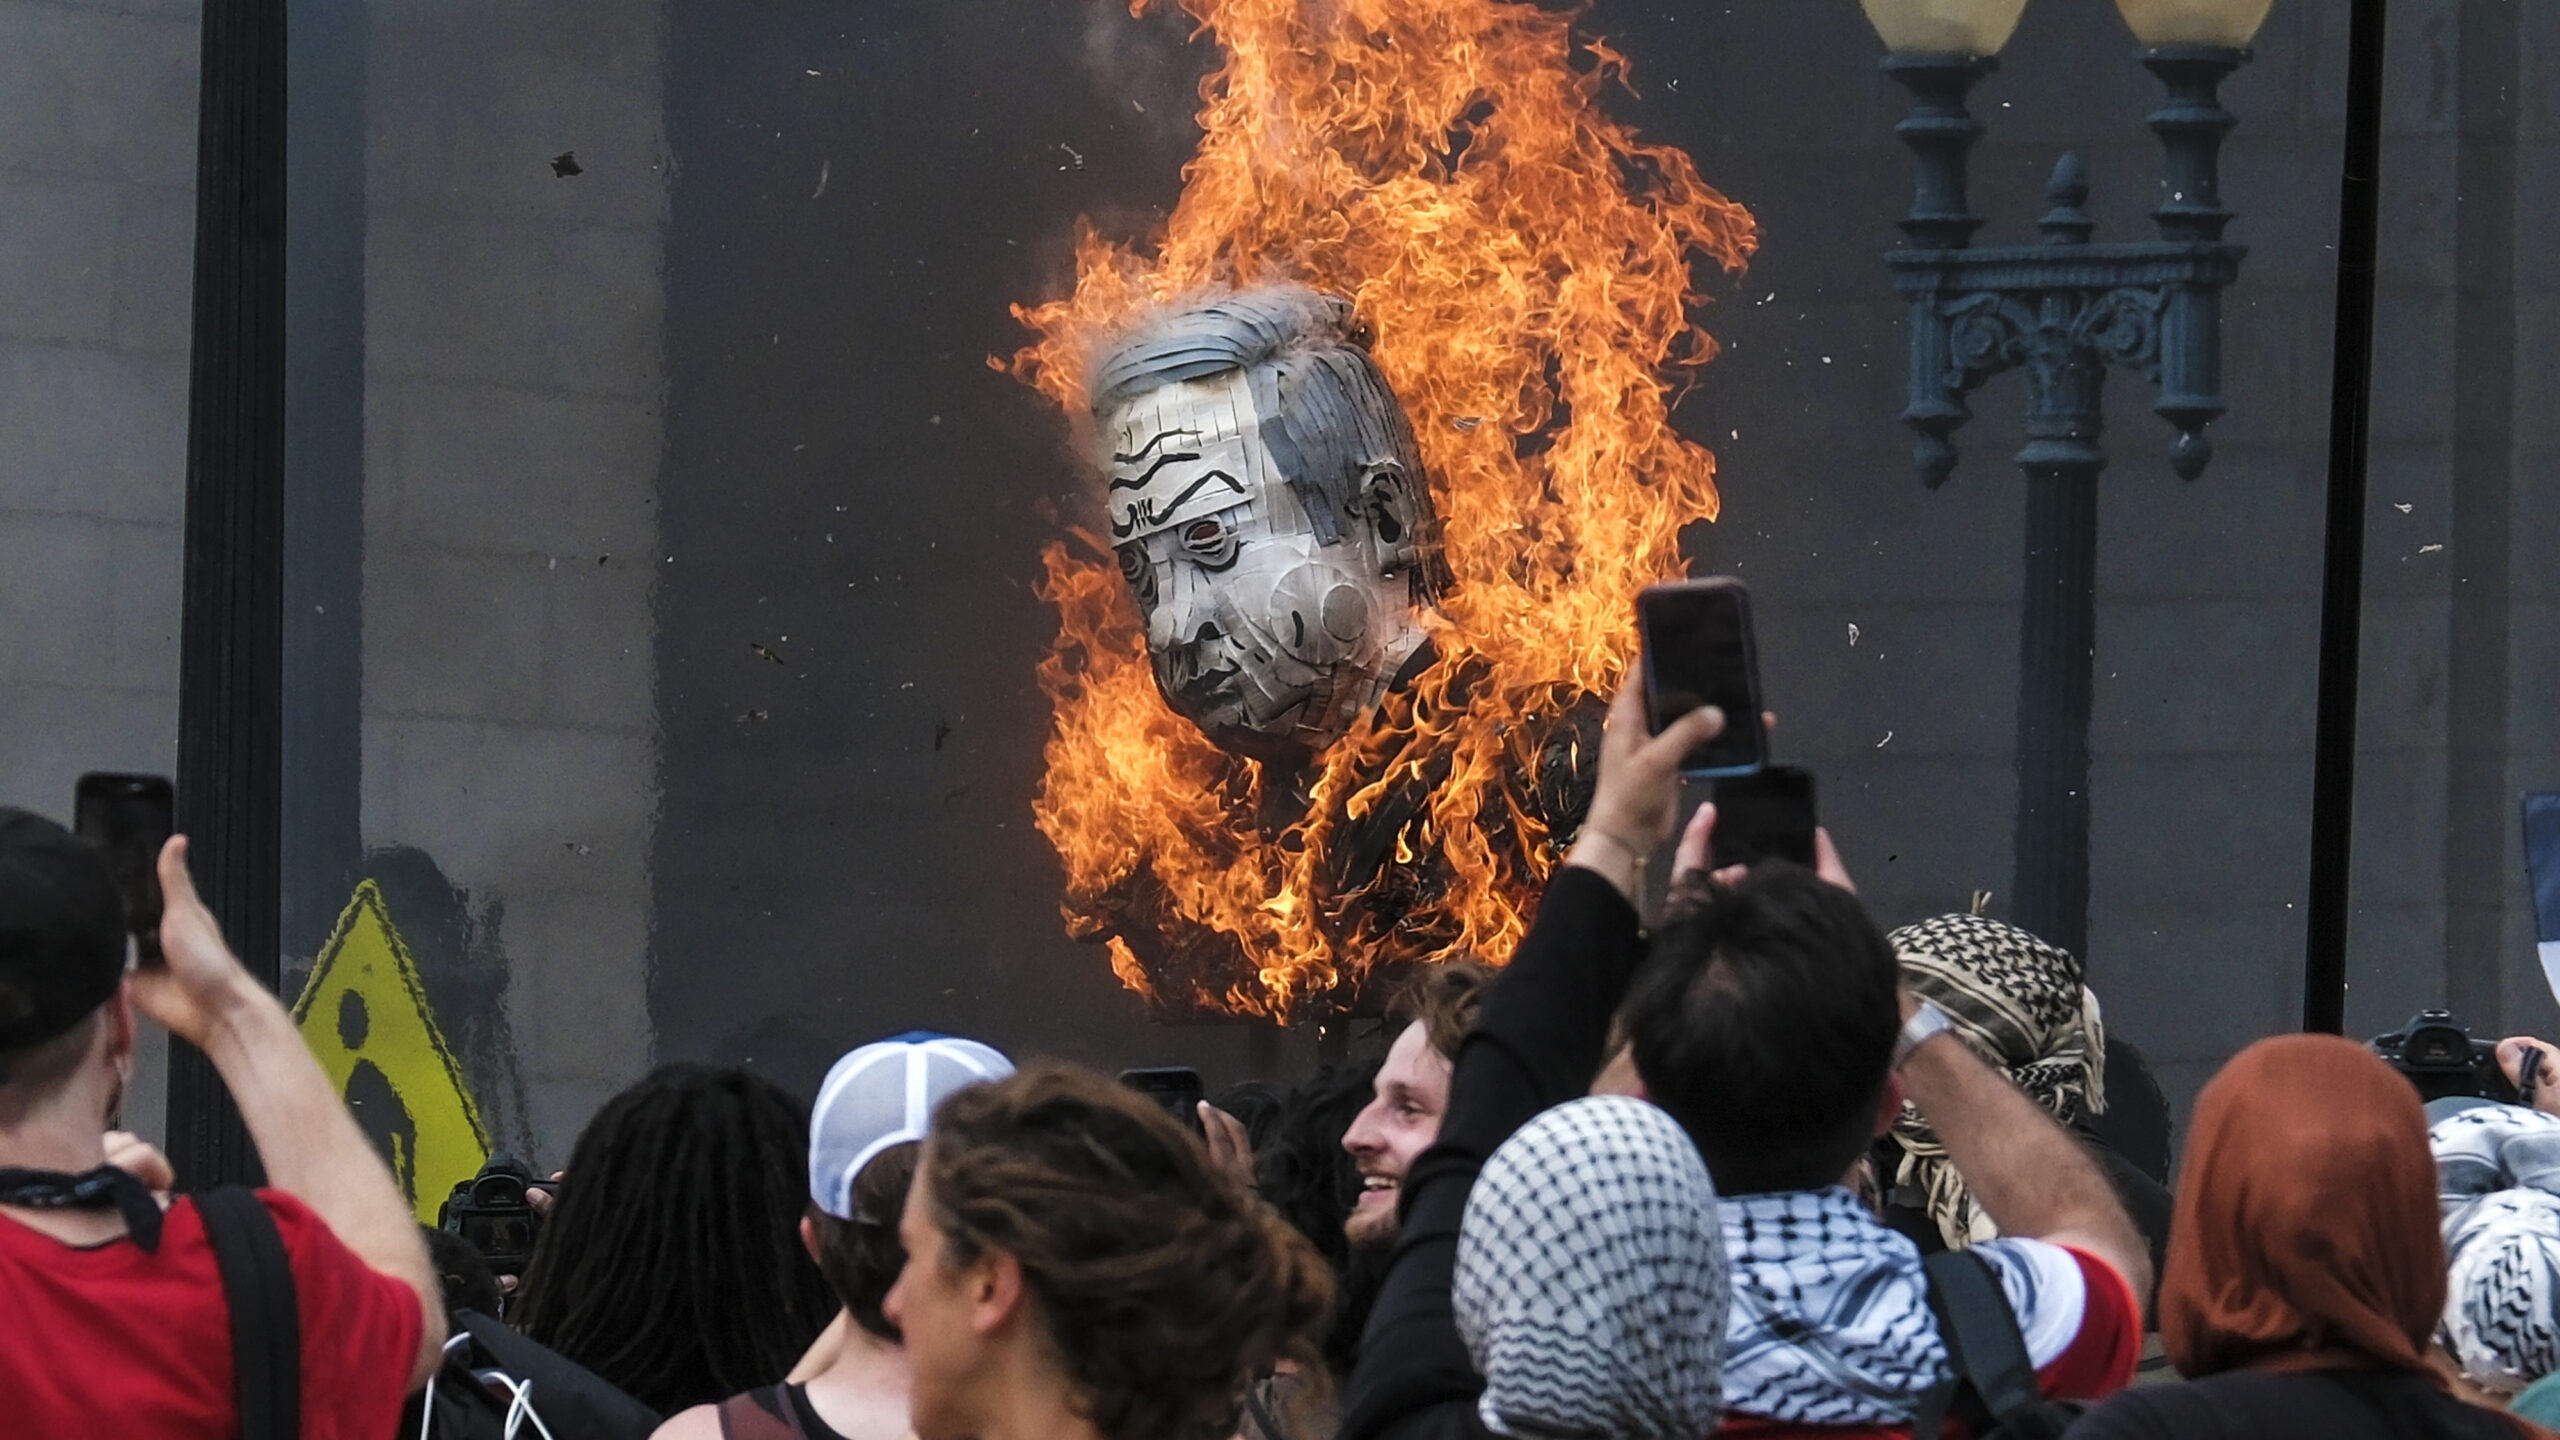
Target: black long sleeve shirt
x=1537, y=1043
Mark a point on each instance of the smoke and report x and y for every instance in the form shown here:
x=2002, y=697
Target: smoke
x=1150, y=68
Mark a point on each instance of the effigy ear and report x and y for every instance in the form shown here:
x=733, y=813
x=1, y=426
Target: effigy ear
x=1393, y=514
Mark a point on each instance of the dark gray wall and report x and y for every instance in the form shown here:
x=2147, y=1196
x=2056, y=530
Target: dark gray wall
x=845, y=846
x=2208, y=592
x=821, y=870
x=845, y=471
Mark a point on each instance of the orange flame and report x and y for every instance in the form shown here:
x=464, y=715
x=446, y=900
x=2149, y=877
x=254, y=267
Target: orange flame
x=1525, y=264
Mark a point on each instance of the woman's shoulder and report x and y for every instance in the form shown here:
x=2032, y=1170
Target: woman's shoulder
x=2239, y=1405
x=2256, y=1405
x=2161, y=1411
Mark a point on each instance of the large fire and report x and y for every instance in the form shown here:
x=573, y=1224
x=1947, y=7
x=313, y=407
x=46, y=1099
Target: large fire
x=1526, y=266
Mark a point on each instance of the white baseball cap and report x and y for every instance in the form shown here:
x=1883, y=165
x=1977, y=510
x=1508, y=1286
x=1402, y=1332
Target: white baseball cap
x=882, y=1095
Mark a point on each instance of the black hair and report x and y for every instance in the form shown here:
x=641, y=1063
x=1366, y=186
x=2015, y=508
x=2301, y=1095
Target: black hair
x=1764, y=1023
x=861, y=1257
x=1256, y=1105
x=469, y=1283
x=38, y=1072
x=672, y=1264
x=1304, y=1173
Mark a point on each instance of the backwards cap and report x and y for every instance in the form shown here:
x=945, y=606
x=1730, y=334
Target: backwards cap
x=62, y=944
x=882, y=1095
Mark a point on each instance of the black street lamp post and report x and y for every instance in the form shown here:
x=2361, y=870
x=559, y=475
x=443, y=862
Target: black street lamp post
x=2064, y=310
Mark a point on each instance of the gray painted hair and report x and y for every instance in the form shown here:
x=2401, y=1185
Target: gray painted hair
x=1328, y=416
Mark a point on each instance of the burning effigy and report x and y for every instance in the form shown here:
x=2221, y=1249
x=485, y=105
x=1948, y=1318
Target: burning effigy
x=1381, y=444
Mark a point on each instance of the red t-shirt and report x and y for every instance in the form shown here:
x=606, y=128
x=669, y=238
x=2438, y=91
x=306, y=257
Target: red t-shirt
x=2098, y=1359
x=107, y=1340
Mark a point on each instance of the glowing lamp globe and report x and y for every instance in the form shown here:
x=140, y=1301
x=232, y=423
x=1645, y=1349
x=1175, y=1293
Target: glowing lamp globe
x=2229, y=24
x=1944, y=27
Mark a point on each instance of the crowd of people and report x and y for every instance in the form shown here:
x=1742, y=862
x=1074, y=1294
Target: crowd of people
x=1751, y=1167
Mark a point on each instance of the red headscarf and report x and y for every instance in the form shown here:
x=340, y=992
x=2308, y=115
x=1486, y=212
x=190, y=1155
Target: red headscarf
x=2305, y=1235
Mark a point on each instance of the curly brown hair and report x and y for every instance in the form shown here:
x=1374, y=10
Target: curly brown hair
x=1163, y=1285
x=1445, y=998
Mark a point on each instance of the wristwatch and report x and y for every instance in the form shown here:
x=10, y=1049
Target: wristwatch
x=1926, y=1021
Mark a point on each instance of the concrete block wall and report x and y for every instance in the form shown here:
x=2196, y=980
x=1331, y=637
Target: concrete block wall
x=2530, y=758
x=2455, y=716
x=514, y=371
x=97, y=181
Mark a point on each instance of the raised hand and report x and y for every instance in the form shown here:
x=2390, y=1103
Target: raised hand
x=199, y=982
x=1639, y=791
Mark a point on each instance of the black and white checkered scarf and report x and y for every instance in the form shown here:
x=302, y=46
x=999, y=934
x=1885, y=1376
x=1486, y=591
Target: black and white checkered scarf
x=1830, y=1323
x=2020, y=1003
x=2498, y=1180
x=1590, y=1282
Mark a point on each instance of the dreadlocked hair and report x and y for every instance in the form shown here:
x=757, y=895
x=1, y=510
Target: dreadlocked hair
x=671, y=1265
x=1164, y=1287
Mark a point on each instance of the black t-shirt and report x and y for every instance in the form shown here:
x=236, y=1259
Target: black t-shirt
x=777, y=1412
x=2314, y=1405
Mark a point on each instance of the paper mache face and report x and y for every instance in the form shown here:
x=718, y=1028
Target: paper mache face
x=1270, y=518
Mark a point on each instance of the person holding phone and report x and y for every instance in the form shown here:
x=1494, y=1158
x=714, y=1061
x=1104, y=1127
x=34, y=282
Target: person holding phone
x=1773, y=1024
x=1536, y=1042
x=117, y=1320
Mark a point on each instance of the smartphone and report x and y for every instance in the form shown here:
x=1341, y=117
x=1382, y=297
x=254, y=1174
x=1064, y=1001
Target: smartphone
x=129, y=817
x=1698, y=651
x=1175, y=1087
x=1765, y=815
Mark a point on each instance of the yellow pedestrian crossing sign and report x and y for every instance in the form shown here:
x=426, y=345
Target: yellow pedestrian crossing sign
x=364, y=1013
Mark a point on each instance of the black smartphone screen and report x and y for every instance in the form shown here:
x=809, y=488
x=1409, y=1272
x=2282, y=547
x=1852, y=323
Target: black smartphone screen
x=1175, y=1087
x=1698, y=651
x=1766, y=815
x=129, y=817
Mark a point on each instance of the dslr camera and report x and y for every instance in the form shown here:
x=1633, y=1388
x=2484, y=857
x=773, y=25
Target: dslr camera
x=2442, y=1060
x=492, y=1212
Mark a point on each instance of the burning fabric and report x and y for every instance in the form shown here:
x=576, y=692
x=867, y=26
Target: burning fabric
x=1383, y=444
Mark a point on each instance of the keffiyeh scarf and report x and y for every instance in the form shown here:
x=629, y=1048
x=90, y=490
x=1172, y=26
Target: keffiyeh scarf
x=1830, y=1321
x=2498, y=1181
x=2020, y=1003
x=1591, y=1277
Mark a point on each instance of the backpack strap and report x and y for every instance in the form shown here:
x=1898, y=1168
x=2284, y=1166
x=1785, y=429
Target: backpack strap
x=1268, y=1423
x=266, y=1325
x=1982, y=1340
x=760, y=1415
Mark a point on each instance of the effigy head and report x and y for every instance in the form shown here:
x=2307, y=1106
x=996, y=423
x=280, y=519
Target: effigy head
x=1267, y=500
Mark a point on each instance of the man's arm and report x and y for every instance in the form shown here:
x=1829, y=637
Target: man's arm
x=2027, y=1172
x=307, y=1140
